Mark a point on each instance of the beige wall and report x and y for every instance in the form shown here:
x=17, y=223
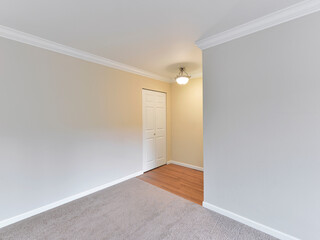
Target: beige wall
x=186, y=122
x=66, y=126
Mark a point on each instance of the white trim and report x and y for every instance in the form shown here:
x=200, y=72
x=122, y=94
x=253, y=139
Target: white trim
x=196, y=75
x=31, y=213
x=284, y=15
x=33, y=40
x=185, y=165
x=273, y=232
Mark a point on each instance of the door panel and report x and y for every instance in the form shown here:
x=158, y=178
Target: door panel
x=154, y=129
x=150, y=124
x=160, y=117
x=150, y=150
x=160, y=142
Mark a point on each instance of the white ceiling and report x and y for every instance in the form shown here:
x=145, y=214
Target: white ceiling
x=154, y=35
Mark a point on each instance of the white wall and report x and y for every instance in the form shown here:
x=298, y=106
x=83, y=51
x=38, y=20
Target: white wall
x=262, y=127
x=66, y=126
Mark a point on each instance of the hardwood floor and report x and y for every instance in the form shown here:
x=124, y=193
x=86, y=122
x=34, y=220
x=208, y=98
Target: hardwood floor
x=182, y=181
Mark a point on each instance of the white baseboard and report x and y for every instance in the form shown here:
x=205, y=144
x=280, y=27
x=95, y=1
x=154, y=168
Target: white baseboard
x=185, y=165
x=31, y=213
x=273, y=232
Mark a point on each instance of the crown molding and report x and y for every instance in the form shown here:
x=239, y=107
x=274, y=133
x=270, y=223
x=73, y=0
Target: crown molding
x=196, y=75
x=281, y=16
x=33, y=40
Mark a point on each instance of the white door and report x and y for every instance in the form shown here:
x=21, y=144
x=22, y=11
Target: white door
x=154, y=129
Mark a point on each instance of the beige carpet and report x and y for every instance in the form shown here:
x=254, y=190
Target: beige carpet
x=130, y=210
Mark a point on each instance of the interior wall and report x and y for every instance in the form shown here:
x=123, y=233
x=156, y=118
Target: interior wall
x=66, y=126
x=261, y=127
x=187, y=123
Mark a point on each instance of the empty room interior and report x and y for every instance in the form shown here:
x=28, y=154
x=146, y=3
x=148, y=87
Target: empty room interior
x=163, y=119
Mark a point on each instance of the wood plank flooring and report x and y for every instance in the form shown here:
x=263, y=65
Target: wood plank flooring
x=182, y=181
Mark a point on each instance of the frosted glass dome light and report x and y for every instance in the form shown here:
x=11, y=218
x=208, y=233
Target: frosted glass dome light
x=183, y=77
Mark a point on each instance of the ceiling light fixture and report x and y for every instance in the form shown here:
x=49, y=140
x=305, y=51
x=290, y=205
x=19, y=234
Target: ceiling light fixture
x=183, y=77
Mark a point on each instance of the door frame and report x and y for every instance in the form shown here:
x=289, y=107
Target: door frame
x=143, y=123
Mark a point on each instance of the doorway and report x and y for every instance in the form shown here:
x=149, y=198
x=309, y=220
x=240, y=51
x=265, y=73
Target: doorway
x=154, y=129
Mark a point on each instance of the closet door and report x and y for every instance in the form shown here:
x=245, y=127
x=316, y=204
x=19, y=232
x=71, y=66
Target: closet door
x=154, y=129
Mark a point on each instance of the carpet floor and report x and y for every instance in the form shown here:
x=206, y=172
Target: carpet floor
x=130, y=210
